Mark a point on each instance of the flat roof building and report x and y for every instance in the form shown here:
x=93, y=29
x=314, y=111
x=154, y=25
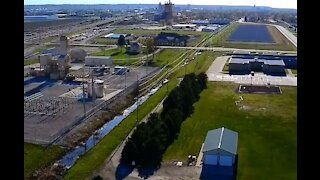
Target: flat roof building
x=240, y=65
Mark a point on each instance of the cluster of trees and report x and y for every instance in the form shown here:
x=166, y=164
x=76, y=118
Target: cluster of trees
x=150, y=140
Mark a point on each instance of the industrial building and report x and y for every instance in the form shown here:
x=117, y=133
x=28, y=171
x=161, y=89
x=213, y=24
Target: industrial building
x=171, y=39
x=210, y=28
x=77, y=55
x=97, y=88
x=114, y=36
x=98, y=61
x=184, y=26
x=290, y=60
x=55, y=65
x=245, y=66
x=165, y=13
x=220, y=152
x=200, y=22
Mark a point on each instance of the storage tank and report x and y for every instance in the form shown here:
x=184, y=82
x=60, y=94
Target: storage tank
x=77, y=54
x=98, y=88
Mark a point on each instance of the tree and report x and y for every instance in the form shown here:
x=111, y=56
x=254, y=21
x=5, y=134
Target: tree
x=150, y=47
x=202, y=80
x=121, y=41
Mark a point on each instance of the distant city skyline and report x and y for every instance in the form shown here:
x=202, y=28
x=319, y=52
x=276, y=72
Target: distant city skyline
x=292, y=4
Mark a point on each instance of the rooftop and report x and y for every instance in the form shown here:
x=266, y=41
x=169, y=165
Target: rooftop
x=239, y=60
x=221, y=138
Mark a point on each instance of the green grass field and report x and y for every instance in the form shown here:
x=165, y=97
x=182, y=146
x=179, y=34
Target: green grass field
x=30, y=61
x=36, y=157
x=267, y=144
x=220, y=40
x=118, y=54
x=166, y=56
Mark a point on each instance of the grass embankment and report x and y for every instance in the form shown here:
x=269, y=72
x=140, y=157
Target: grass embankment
x=281, y=42
x=267, y=144
x=37, y=157
x=93, y=159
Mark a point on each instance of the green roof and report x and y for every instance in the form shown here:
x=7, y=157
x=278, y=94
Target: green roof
x=221, y=138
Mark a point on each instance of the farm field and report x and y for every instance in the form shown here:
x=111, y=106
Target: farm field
x=267, y=127
x=279, y=42
x=251, y=33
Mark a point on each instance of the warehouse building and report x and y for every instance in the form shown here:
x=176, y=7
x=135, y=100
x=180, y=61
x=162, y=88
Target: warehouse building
x=290, y=60
x=220, y=152
x=98, y=61
x=239, y=65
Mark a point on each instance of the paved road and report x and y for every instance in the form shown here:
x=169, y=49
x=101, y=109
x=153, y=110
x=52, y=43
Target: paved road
x=214, y=73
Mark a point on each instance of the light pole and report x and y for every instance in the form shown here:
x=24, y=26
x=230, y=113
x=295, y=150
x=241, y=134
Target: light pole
x=137, y=100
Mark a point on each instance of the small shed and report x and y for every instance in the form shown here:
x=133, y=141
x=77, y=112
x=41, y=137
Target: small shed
x=220, y=147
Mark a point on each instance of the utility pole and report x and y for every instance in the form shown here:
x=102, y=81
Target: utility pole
x=137, y=100
x=167, y=82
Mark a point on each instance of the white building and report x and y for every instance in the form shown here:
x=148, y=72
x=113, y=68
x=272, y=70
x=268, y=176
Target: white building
x=98, y=61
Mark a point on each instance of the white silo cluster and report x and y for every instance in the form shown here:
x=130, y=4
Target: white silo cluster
x=98, y=86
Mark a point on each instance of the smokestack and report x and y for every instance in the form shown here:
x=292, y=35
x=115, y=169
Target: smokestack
x=64, y=45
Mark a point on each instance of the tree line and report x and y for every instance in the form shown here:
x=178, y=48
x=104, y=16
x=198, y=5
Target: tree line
x=150, y=139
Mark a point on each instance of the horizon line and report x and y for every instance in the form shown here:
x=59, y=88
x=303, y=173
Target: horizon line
x=157, y=4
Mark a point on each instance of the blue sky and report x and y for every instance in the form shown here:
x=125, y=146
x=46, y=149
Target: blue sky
x=271, y=3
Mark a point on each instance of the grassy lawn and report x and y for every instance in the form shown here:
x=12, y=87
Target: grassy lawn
x=226, y=67
x=36, y=157
x=92, y=160
x=267, y=131
x=118, y=54
x=30, y=61
x=220, y=40
x=105, y=41
x=166, y=56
